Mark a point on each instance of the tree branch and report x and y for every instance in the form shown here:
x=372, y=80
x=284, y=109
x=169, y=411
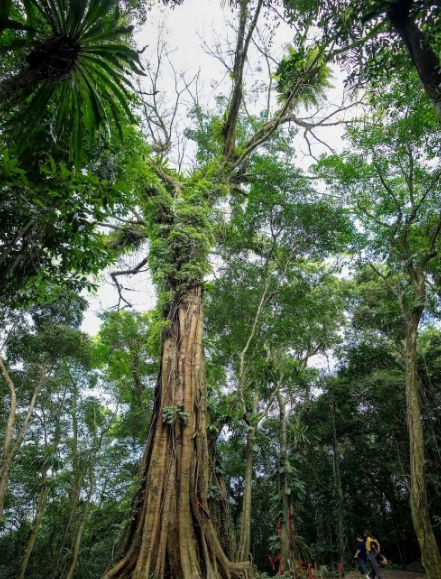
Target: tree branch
x=241, y=54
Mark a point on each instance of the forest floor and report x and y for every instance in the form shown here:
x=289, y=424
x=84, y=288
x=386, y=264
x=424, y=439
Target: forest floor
x=388, y=574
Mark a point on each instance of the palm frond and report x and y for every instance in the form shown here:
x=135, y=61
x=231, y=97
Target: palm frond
x=82, y=48
x=35, y=110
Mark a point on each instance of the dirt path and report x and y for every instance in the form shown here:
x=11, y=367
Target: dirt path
x=388, y=574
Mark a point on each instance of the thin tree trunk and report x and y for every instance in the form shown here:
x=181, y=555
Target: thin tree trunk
x=76, y=543
x=423, y=56
x=283, y=484
x=240, y=57
x=338, y=487
x=5, y=464
x=430, y=554
x=25, y=80
x=74, y=489
x=219, y=502
x=42, y=500
x=36, y=526
x=9, y=452
x=243, y=550
x=172, y=534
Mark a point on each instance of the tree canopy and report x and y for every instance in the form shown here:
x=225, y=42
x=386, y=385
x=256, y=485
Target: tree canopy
x=282, y=393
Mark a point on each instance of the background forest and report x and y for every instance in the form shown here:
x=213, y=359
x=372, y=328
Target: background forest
x=283, y=393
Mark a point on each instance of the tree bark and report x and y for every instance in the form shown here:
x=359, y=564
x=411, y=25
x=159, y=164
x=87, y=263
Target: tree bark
x=10, y=447
x=243, y=551
x=220, y=512
x=6, y=459
x=76, y=541
x=423, y=56
x=240, y=57
x=42, y=500
x=25, y=80
x=284, y=484
x=430, y=554
x=338, y=487
x=75, y=489
x=172, y=534
x=36, y=526
x=219, y=501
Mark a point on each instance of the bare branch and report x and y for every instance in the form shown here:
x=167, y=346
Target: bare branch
x=268, y=129
x=119, y=287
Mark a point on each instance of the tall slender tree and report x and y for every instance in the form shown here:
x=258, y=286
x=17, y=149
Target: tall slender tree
x=394, y=189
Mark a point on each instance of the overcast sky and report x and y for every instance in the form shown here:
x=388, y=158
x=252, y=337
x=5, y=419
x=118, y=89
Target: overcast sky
x=186, y=29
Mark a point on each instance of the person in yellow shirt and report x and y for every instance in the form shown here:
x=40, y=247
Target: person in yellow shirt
x=372, y=550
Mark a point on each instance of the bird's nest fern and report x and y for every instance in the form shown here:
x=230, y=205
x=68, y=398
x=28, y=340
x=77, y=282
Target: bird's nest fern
x=82, y=64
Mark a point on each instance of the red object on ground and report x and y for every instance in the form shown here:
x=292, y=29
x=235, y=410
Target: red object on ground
x=310, y=571
x=340, y=569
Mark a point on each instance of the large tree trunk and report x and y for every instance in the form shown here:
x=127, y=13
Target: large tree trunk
x=430, y=554
x=423, y=56
x=172, y=534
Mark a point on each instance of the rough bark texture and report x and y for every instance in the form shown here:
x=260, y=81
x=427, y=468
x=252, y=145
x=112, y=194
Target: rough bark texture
x=172, y=533
x=430, y=554
x=220, y=513
x=423, y=56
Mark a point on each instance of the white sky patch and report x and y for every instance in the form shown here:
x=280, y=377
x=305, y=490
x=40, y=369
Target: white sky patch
x=191, y=31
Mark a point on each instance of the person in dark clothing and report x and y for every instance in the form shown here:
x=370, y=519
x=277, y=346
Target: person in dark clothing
x=373, y=550
x=360, y=555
